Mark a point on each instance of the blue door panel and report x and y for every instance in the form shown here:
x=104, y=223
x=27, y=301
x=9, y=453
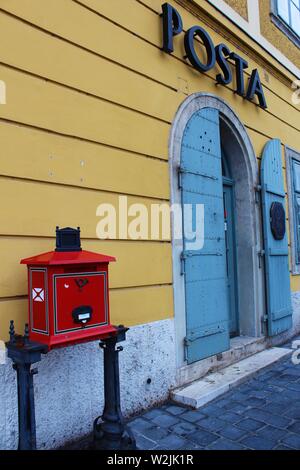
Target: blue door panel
x=206, y=138
x=199, y=267
x=206, y=286
x=213, y=219
x=197, y=161
x=279, y=305
x=197, y=294
x=190, y=182
x=204, y=347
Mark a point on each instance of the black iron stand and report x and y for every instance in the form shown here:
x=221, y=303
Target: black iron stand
x=111, y=433
x=24, y=353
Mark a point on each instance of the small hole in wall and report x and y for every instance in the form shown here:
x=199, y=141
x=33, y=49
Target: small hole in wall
x=149, y=381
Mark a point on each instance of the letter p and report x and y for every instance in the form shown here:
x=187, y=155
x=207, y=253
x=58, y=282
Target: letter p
x=172, y=26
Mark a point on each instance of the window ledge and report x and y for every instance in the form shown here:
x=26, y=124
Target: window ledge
x=280, y=24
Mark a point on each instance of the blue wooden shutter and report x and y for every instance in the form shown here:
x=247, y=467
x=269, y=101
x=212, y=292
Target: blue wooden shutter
x=296, y=191
x=206, y=286
x=279, y=307
x=297, y=226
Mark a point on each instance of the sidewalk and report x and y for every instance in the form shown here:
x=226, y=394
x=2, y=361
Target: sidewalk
x=261, y=414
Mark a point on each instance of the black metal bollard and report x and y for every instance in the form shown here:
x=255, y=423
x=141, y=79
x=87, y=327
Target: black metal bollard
x=111, y=433
x=24, y=353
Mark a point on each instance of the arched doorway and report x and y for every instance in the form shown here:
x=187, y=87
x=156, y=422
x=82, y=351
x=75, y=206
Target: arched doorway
x=207, y=310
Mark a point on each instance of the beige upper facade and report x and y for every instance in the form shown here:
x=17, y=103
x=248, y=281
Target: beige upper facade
x=240, y=6
x=261, y=18
x=275, y=35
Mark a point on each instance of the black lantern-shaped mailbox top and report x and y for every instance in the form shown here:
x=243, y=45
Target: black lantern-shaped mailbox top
x=68, y=239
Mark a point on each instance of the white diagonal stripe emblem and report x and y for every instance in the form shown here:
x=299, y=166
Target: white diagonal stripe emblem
x=38, y=294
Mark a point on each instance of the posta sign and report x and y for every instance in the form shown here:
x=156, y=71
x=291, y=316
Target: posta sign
x=220, y=54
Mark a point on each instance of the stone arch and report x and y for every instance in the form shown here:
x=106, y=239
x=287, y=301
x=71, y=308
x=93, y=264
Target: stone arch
x=243, y=163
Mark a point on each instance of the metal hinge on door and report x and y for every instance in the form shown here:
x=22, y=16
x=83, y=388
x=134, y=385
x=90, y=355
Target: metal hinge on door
x=190, y=254
x=184, y=171
x=257, y=194
x=182, y=263
x=179, y=176
x=186, y=347
x=261, y=255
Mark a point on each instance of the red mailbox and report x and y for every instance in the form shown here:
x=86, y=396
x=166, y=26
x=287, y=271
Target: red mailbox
x=68, y=293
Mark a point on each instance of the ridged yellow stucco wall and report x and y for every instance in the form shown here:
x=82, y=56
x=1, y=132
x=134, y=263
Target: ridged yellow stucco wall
x=90, y=102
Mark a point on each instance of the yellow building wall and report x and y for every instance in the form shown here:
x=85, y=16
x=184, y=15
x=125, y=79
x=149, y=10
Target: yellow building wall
x=275, y=36
x=90, y=102
x=240, y=6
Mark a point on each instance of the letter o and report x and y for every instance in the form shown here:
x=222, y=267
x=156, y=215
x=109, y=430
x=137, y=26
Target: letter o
x=190, y=48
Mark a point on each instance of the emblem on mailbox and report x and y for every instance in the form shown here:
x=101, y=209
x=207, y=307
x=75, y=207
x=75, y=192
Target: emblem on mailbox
x=68, y=293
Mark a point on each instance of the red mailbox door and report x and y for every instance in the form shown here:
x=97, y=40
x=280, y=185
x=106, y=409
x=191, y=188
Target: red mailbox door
x=80, y=301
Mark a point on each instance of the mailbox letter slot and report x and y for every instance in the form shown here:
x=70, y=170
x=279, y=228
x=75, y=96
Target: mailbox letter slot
x=82, y=314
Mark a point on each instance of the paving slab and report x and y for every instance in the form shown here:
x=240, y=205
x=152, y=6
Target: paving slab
x=207, y=389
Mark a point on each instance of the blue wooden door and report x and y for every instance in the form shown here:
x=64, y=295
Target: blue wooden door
x=231, y=265
x=279, y=307
x=206, y=287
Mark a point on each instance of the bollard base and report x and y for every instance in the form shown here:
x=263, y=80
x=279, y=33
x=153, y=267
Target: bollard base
x=24, y=353
x=104, y=441
x=110, y=432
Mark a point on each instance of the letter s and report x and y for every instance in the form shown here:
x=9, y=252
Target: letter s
x=222, y=51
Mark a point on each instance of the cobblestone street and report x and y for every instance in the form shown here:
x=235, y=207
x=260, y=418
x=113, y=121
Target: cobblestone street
x=261, y=414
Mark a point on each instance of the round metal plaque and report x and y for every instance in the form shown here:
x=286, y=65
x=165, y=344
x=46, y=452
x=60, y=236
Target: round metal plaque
x=277, y=214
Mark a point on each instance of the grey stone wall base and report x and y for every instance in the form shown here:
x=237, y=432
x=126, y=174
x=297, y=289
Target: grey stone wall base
x=69, y=385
